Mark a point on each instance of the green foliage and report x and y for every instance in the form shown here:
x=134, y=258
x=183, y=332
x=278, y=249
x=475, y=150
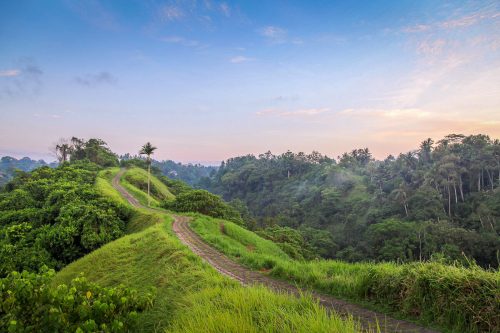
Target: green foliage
x=139, y=179
x=464, y=299
x=93, y=150
x=289, y=240
x=189, y=173
x=457, y=298
x=453, y=184
x=104, y=187
x=235, y=240
x=54, y=216
x=28, y=303
x=191, y=295
x=203, y=202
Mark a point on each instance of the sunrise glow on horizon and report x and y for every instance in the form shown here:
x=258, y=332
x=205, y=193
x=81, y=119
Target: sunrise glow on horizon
x=209, y=80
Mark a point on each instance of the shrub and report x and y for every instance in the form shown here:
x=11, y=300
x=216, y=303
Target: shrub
x=29, y=304
x=204, y=202
x=54, y=216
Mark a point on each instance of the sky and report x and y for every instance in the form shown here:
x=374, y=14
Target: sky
x=207, y=80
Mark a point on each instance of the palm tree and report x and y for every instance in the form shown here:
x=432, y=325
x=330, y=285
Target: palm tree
x=148, y=149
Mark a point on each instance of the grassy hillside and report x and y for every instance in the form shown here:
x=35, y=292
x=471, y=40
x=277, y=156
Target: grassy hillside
x=190, y=295
x=103, y=185
x=456, y=298
x=135, y=180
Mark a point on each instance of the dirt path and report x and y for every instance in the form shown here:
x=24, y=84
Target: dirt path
x=246, y=276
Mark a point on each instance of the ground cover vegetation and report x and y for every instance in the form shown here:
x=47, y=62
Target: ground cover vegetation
x=453, y=297
x=190, y=296
x=48, y=218
x=301, y=207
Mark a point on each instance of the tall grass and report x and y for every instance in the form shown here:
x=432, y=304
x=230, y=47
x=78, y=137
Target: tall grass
x=256, y=309
x=455, y=298
x=191, y=295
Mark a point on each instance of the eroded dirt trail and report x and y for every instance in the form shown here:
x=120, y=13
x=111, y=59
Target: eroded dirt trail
x=245, y=276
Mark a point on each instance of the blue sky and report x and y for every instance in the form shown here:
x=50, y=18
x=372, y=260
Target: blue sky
x=208, y=80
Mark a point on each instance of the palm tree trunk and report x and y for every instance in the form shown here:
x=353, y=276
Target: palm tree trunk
x=149, y=180
x=449, y=200
x=490, y=178
x=479, y=182
x=461, y=189
x=455, y=189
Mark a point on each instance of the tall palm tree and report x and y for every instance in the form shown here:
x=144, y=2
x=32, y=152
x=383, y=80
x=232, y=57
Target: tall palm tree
x=148, y=150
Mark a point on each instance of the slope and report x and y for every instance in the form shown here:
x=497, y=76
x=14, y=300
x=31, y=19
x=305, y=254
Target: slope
x=454, y=298
x=190, y=295
x=135, y=181
x=369, y=319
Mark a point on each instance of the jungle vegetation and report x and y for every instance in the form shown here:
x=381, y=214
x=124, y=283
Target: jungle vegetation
x=439, y=200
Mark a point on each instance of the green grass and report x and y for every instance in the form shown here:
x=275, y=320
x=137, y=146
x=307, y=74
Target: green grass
x=190, y=295
x=135, y=180
x=456, y=299
x=103, y=185
x=138, y=194
x=235, y=243
x=256, y=309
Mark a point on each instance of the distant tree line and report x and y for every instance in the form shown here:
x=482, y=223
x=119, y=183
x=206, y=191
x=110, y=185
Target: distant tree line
x=441, y=200
x=188, y=173
x=9, y=165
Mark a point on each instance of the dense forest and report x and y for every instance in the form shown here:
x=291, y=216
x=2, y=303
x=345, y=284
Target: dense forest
x=440, y=201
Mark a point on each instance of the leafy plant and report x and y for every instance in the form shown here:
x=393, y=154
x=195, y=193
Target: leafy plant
x=28, y=303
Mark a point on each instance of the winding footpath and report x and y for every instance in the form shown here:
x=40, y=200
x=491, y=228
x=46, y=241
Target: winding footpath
x=245, y=276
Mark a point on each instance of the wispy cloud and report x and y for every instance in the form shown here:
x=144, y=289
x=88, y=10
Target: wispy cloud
x=47, y=116
x=171, y=13
x=181, y=41
x=225, y=9
x=10, y=73
x=91, y=80
x=431, y=47
x=240, y=59
x=25, y=79
x=401, y=129
x=94, y=13
x=293, y=113
x=274, y=34
x=277, y=35
x=410, y=113
x=454, y=23
x=417, y=28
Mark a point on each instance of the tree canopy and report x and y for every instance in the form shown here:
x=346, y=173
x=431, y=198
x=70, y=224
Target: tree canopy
x=442, y=198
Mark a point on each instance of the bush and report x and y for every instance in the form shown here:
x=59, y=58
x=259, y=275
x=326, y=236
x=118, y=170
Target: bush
x=204, y=202
x=29, y=304
x=54, y=216
x=289, y=240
